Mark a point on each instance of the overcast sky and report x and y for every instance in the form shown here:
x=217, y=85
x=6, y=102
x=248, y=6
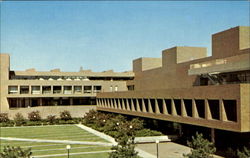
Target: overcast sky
x=103, y=35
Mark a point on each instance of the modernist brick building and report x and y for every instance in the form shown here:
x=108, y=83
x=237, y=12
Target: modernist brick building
x=183, y=86
x=29, y=89
x=188, y=87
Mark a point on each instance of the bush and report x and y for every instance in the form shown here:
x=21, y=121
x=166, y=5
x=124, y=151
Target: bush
x=52, y=119
x=15, y=152
x=34, y=116
x=245, y=153
x=7, y=124
x=201, y=148
x=4, y=117
x=19, y=119
x=65, y=115
x=33, y=123
x=147, y=132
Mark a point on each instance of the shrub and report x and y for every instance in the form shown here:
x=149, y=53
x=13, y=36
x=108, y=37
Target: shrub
x=89, y=117
x=34, y=116
x=52, y=119
x=33, y=123
x=4, y=117
x=147, y=132
x=201, y=148
x=245, y=153
x=19, y=119
x=125, y=148
x=15, y=152
x=65, y=115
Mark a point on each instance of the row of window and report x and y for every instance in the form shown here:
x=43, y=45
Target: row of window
x=179, y=107
x=54, y=89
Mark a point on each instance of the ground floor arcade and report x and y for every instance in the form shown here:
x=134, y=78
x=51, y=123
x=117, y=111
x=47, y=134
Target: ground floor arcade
x=50, y=101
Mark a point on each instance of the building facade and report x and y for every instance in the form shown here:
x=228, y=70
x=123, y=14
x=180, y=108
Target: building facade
x=188, y=87
x=31, y=88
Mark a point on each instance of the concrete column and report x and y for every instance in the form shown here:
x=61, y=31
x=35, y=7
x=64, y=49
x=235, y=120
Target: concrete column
x=183, y=109
x=40, y=101
x=164, y=106
x=107, y=103
x=208, y=115
x=213, y=135
x=223, y=115
x=143, y=106
x=119, y=104
x=29, y=89
x=157, y=111
x=71, y=101
x=123, y=104
x=149, y=106
x=52, y=88
x=194, y=109
x=115, y=103
x=173, y=112
x=138, y=105
x=111, y=103
x=97, y=102
x=18, y=89
x=132, y=104
x=127, y=102
x=62, y=92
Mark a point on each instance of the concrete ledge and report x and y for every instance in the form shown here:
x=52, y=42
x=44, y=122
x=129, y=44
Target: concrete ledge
x=152, y=139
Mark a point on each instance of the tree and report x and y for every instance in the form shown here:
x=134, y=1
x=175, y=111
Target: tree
x=200, y=147
x=15, y=152
x=125, y=139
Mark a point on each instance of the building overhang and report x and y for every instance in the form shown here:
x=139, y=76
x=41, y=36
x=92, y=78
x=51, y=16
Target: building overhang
x=220, y=68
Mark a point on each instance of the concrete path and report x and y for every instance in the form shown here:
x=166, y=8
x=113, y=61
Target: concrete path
x=79, y=153
x=97, y=133
x=141, y=153
x=167, y=150
x=56, y=141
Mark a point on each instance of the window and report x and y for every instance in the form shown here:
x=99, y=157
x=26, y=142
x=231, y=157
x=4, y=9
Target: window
x=46, y=89
x=67, y=90
x=57, y=89
x=35, y=89
x=97, y=89
x=111, y=88
x=214, y=106
x=87, y=89
x=131, y=87
x=77, y=89
x=24, y=89
x=13, y=89
x=231, y=109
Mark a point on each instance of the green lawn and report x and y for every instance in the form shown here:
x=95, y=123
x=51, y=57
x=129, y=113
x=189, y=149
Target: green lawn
x=66, y=132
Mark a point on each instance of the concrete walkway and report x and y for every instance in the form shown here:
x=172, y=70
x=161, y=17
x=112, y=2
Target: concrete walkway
x=97, y=133
x=79, y=153
x=167, y=150
x=56, y=141
x=141, y=152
